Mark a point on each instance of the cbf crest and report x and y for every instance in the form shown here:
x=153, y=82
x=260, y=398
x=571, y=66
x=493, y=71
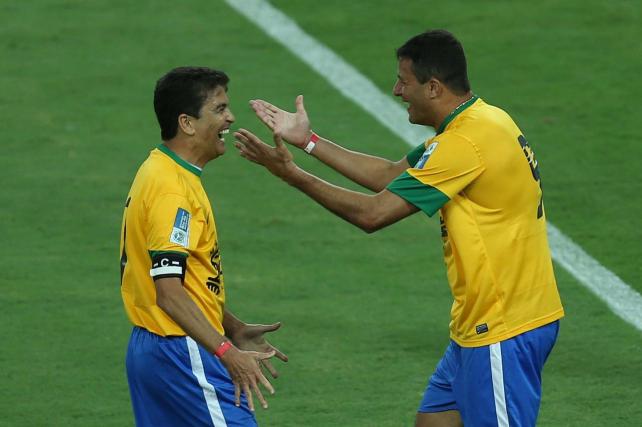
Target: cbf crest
x=424, y=157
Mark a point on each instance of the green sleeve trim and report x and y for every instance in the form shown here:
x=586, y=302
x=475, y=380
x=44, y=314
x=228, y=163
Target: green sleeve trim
x=414, y=156
x=427, y=198
x=152, y=254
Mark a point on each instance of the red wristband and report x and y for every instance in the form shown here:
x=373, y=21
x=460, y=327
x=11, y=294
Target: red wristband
x=222, y=349
x=311, y=143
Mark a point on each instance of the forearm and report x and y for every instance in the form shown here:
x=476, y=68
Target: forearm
x=352, y=206
x=231, y=324
x=182, y=310
x=369, y=171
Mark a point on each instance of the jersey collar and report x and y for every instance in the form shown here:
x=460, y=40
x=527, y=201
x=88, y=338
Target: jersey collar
x=455, y=113
x=187, y=165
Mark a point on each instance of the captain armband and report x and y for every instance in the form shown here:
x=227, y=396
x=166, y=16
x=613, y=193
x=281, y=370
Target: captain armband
x=168, y=264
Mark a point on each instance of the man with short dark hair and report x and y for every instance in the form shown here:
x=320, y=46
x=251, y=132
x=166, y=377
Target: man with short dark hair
x=481, y=175
x=188, y=358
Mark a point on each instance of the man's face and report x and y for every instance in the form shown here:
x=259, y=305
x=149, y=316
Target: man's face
x=414, y=93
x=214, y=122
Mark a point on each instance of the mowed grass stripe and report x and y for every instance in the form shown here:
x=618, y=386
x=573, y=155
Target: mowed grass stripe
x=606, y=285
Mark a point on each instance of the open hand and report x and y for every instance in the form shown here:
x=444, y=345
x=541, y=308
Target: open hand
x=293, y=127
x=277, y=159
x=243, y=367
x=251, y=337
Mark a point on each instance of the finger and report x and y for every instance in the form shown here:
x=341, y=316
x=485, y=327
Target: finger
x=248, y=396
x=248, y=138
x=237, y=394
x=265, y=382
x=258, y=393
x=262, y=356
x=250, y=142
x=268, y=366
x=279, y=354
x=244, y=149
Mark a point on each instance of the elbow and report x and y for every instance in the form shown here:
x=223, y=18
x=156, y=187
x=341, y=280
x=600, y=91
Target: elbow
x=370, y=224
x=162, y=301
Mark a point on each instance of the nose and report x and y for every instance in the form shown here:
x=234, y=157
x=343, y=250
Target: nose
x=396, y=89
x=230, y=117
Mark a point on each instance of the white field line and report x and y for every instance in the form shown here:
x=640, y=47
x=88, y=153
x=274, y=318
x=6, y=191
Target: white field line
x=620, y=297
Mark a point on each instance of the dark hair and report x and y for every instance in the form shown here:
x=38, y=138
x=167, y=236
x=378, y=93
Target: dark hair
x=183, y=90
x=438, y=54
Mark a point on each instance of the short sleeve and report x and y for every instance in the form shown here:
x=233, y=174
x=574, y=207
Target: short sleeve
x=445, y=168
x=170, y=224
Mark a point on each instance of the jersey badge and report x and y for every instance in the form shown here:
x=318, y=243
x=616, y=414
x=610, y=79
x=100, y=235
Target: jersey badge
x=180, y=231
x=424, y=157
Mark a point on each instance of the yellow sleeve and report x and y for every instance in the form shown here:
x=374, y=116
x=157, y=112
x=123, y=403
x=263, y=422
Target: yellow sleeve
x=452, y=163
x=170, y=225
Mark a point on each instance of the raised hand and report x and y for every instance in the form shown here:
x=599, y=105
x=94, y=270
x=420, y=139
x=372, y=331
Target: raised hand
x=251, y=337
x=293, y=127
x=277, y=159
x=246, y=374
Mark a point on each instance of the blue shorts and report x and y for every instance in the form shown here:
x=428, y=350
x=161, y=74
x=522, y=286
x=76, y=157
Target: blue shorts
x=495, y=385
x=175, y=382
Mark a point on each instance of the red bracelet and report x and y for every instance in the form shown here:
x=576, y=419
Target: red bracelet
x=310, y=145
x=222, y=349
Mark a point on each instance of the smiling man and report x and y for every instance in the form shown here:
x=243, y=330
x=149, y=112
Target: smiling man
x=481, y=175
x=188, y=359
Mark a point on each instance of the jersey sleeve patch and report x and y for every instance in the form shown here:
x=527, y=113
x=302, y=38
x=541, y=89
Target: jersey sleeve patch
x=427, y=198
x=168, y=264
x=449, y=166
x=180, y=231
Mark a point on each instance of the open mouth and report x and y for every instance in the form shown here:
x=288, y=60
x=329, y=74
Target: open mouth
x=221, y=134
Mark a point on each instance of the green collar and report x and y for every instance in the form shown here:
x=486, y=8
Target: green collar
x=187, y=165
x=455, y=113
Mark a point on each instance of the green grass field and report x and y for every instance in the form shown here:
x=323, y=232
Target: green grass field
x=365, y=316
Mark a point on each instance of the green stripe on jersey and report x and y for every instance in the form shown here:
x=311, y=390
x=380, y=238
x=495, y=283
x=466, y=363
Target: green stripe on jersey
x=187, y=165
x=152, y=254
x=416, y=153
x=425, y=197
x=455, y=113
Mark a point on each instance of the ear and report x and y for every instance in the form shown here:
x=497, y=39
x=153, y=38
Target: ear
x=434, y=88
x=185, y=124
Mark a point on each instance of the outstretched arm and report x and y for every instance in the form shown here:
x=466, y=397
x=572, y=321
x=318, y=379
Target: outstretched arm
x=368, y=212
x=369, y=171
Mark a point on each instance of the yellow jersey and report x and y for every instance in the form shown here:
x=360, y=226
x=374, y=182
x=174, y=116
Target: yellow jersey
x=168, y=230
x=481, y=174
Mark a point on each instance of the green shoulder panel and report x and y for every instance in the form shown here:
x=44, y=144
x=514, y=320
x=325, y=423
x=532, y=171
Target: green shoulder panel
x=414, y=156
x=425, y=197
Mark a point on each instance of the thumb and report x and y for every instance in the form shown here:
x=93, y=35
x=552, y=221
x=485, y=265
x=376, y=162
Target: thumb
x=270, y=328
x=299, y=104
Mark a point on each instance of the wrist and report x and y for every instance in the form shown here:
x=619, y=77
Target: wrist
x=223, y=348
x=310, y=142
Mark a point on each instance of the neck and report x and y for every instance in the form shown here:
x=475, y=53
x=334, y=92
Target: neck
x=449, y=106
x=185, y=151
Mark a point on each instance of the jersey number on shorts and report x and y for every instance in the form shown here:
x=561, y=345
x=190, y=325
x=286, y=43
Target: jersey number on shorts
x=532, y=162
